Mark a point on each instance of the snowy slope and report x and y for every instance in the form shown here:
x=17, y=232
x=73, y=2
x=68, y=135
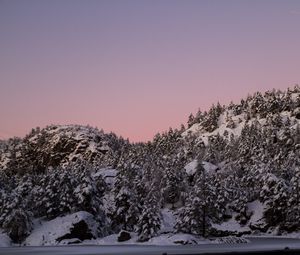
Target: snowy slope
x=256, y=208
x=49, y=232
x=230, y=124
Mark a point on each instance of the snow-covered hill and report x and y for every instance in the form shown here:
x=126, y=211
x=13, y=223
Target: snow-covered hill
x=234, y=170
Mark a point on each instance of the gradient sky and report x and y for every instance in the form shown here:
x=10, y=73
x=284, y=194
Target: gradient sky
x=139, y=67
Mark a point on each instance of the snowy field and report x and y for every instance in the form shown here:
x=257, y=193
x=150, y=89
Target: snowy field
x=283, y=245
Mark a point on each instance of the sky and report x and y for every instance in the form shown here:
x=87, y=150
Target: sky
x=138, y=67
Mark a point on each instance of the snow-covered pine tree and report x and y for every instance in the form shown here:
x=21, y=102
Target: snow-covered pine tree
x=18, y=224
x=54, y=193
x=189, y=217
x=170, y=186
x=126, y=209
x=215, y=149
x=293, y=213
x=220, y=197
x=210, y=121
x=199, y=211
x=191, y=120
x=87, y=196
x=149, y=221
x=274, y=194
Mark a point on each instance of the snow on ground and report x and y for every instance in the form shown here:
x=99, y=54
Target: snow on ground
x=47, y=232
x=293, y=235
x=168, y=221
x=108, y=174
x=4, y=240
x=258, y=209
x=113, y=240
x=179, y=239
x=209, y=167
x=231, y=225
x=190, y=168
x=239, y=122
x=164, y=239
x=256, y=219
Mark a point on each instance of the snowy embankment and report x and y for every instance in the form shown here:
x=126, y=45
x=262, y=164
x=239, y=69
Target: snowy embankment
x=64, y=231
x=4, y=240
x=81, y=228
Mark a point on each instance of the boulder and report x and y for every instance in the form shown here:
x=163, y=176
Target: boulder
x=124, y=236
x=79, y=230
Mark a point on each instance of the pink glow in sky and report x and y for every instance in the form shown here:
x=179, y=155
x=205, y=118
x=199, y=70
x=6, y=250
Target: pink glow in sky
x=139, y=67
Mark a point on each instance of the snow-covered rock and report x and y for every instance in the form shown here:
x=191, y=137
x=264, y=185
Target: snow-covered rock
x=80, y=225
x=108, y=174
x=190, y=168
x=257, y=221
